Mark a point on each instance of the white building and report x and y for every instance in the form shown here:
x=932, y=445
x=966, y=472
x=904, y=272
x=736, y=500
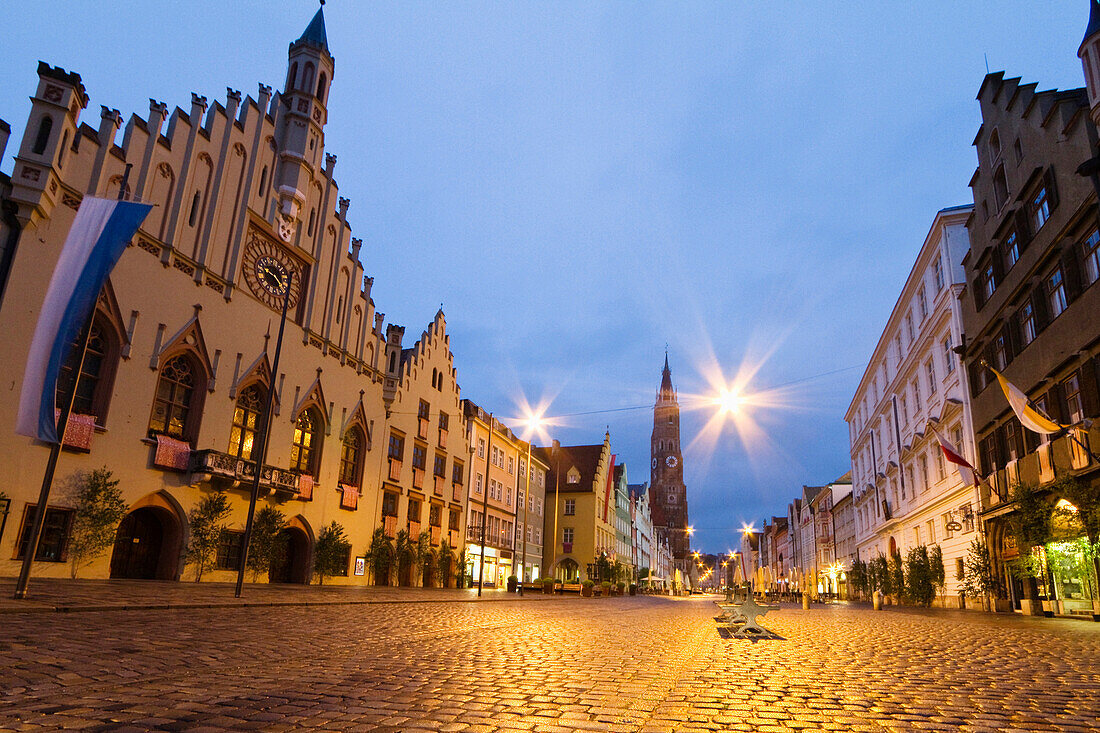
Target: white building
x=904, y=493
x=641, y=522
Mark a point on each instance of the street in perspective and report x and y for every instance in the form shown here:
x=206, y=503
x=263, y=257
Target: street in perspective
x=654, y=367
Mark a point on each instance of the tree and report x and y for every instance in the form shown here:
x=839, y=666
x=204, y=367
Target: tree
x=422, y=550
x=405, y=553
x=896, y=571
x=268, y=545
x=99, y=509
x=380, y=556
x=1084, y=514
x=443, y=562
x=859, y=577
x=978, y=577
x=919, y=587
x=935, y=566
x=207, y=522
x=461, y=576
x=880, y=578
x=330, y=553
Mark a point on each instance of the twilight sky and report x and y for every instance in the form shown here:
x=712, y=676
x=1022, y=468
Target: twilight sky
x=580, y=183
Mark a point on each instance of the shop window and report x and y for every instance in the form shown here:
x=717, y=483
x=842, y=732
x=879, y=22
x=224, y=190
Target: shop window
x=53, y=541
x=246, y=418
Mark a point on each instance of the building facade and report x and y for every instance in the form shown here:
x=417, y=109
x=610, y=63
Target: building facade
x=1032, y=311
x=492, y=499
x=183, y=335
x=642, y=539
x=904, y=493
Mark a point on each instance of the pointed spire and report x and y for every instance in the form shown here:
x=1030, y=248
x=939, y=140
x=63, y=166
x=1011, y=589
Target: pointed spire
x=666, y=377
x=315, y=31
x=1094, y=19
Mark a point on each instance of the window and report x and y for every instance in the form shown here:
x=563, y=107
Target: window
x=420, y=457
x=987, y=283
x=246, y=417
x=904, y=410
x=922, y=304
x=1071, y=391
x=1012, y=437
x=567, y=535
x=941, y=468
x=994, y=146
x=937, y=271
x=42, y=139
x=912, y=334
x=930, y=368
x=453, y=519
x=1056, y=293
x=54, y=539
x=508, y=496
x=1000, y=187
x=351, y=457
x=96, y=374
x=414, y=510
x=931, y=530
x=440, y=468
x=916, y=392
x=1018, y=150
x=1091, y=251
x=423, y=410
x=306, y=443
x=511, y=465
x=1026, y=318
x=570, y=507
x=456, y=472
x=1011, y=249
x=480, y=447
x=193, y=217
x=263, y=182
x=923, y=463
x=173, y=401
x=435, y=515
x=477, y=484
x=343, y=559
x=229, y=551
x=999, y=351
x=444, y=421
x=397, y=447
x=389, y=504
x=948, y=354
x=1040, y=209
x=321, y=85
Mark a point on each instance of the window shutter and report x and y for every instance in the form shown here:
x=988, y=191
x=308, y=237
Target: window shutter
x=1090, y=389
x=1020, y=447
x=1039, y=305
x=998, y=261
x=1055, y=408
x=1010, y=345
x=1023, y=228
x=1052, y=188
x=972, y=371
x=1071, y=272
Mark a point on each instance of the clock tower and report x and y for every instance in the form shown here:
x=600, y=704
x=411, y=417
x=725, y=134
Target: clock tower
x=669, y=497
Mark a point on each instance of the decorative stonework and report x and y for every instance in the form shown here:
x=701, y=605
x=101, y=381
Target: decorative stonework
x=259, y=246
x=149, y=247
x=53, y=93
x=183, y=266
x=71, y=201
x=31, y=174
x=215, y=285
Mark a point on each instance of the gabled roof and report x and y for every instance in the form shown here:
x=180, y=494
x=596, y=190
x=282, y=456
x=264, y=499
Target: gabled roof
x=585, y=458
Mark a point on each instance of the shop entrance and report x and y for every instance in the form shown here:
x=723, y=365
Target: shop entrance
x=294, y=567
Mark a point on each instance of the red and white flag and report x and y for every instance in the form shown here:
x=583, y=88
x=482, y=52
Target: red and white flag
x=952, y=454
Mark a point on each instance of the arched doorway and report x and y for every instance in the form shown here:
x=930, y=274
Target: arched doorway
x=147, y=545
x=569, y=571
x=427, y=571
x=893, y=547
x=294, y=567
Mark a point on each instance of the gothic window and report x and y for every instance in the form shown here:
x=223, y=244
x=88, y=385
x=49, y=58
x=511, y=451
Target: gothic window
x=42, y=139
x=322, y=85
x=193, y=217
x=309, y=227
x=61, y=149
x=93, y=392
x=994, y=146
x=393, y=361
x=1000, y=187
x=246, y=420
x=351, y=456
x=292, y=78
x=307, y=78
x=304, y=451
x=263, y=182
x=176, y=397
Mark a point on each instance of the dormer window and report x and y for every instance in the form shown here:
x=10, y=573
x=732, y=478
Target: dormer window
x=573, y=477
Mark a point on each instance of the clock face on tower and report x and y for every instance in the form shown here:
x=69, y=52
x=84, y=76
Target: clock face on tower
x=671, y=461
x=269, y=270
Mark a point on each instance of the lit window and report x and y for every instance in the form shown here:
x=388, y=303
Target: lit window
x=172, y=404
x=1056, y=293
x=1026, y=318
x=1092, y=258
x=1040, y=209
x=1011, y=250
x=303, y=450
x=246, y=416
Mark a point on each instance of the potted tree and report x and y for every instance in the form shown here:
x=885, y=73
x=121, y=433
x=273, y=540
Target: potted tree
x=633, y=589
x=586, y=588
x=620, y=587
x=605, y=588
x=548, y=586
x=513, y=581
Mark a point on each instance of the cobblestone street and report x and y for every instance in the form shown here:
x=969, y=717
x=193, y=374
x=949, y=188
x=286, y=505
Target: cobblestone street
x=621, y=664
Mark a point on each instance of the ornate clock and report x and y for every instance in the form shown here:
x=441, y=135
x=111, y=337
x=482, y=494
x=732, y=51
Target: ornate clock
x=671, y=461
x=268, y=270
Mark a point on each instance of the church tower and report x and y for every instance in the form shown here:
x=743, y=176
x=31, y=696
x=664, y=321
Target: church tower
x=669, y=494
x=310, y=68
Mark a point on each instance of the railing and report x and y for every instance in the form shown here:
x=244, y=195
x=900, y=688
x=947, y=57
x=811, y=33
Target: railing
x=209, y=465
x=457, y=491
x=395, y=470
x=440, y=482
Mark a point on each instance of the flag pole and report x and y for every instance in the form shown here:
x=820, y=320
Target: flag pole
x=66, y=409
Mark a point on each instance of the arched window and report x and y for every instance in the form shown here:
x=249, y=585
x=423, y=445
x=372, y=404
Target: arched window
x=321, y=84
x=246, y=421
x=292, y=78
x=263, y=182
x=93, y=392
x=1000, y=186
x=351, y=456
x=994, y=146
x=172, y=405
x=307, y=78
x=307, y=443
x=393, y=361
x=42, y=139
x=61, y=150
x=435, y=376
x=339, y=308
x=194, y=215
x=309, y=229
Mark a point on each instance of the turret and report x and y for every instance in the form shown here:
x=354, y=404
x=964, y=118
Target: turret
x=310, y=69
x=1089, y=53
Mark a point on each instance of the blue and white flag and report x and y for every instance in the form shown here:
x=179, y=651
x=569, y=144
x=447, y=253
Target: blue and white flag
x=99, y=234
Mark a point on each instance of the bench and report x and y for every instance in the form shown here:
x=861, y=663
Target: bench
x=570, y=588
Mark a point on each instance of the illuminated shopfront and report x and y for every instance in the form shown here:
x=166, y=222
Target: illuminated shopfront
x=498, y=565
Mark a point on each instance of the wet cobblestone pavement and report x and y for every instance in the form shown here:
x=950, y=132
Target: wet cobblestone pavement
x=618, y=664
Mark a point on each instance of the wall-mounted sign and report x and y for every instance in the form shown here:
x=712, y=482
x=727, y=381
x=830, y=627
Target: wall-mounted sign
x=953, y=526
x=361, y=566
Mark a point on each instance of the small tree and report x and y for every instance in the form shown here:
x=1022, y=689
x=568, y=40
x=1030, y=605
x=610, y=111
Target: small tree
x=935, y=567
x=99, y=509
x=896, y=570
x=330, y=554
x=880, y=578
x=405, y=553
x=443, y=562
x=422, y=550
x=380, y=556
x=268, y=545
x=207, y=522
x=858, y=577
x=978, y=577
x=919, y=587
x=461, y=576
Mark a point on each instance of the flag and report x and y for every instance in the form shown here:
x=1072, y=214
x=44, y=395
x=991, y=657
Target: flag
x=952, y=454
x=1030, y=416
x=99, y=234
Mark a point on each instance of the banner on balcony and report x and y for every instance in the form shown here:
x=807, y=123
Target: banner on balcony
x=1030, y=416
x=96, y=240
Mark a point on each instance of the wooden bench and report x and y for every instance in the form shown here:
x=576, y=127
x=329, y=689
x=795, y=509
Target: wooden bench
x=570, y=588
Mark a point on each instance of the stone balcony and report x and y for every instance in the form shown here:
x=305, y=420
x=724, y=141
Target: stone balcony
x=219, y=468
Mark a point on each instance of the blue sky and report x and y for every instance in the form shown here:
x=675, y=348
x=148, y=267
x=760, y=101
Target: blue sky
x=581, y=183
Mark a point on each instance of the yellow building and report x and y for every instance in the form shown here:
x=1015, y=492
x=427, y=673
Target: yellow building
x=180, y=355
x=580, y=516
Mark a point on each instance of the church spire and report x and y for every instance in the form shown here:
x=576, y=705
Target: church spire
x=315, y=31
x=666, y=391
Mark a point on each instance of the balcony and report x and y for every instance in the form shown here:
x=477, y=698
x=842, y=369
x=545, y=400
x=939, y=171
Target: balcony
x=457, y=492
x=217, y=467
x=418, y=478
x=395, y=470
x=440, y=482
